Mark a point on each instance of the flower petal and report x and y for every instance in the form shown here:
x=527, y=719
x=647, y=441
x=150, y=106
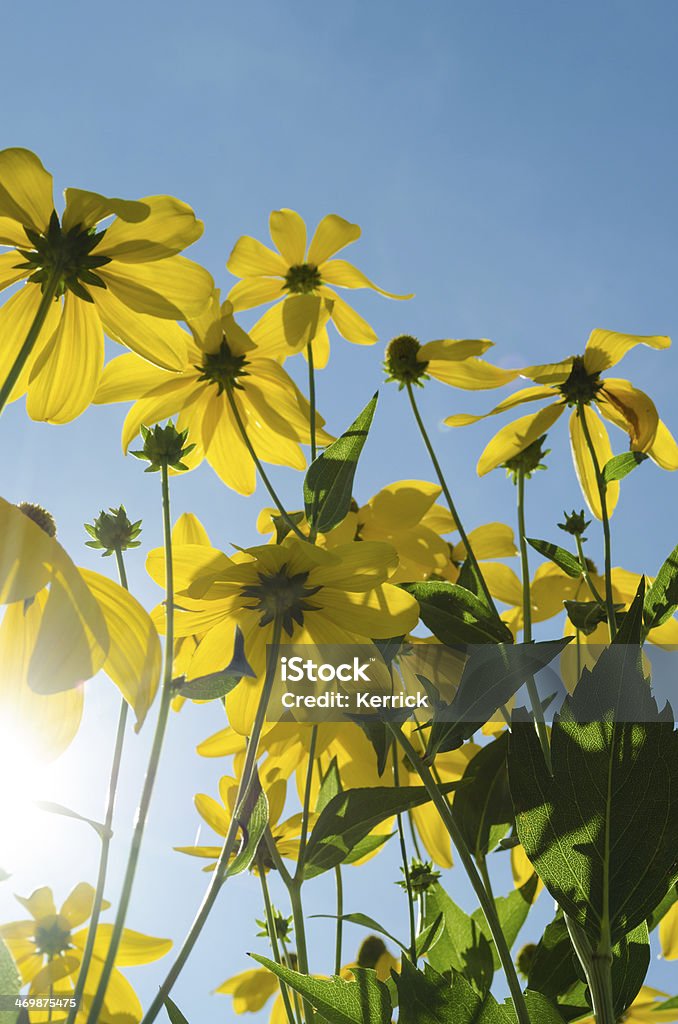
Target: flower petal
x=174, y=288
x=78, y=906
x=516, y=436
x=12, y=233
x=85, y=209
x=332, y=234
x=27, y=555
x=349, y=323
x=290, y=325
x=607, y=348
x=25, y=189
x=584, y=464
x=631, y=409
x=134, y=657
x=169, y=227
x=668, y=933
x=156, y=405
x=251, y=258
x=135, y=948
x=250, y=990
x=65, y=376
x=16, y=317
x=549, y=373
x=503, y=583
x=492, y=540
x=470, y=374
x=162, y=342
x=40, y=903
x=517, y=398
x=344, y=275
x=189, y=530
x=214, y=813
x=384, y=611
x=127, y=378
x=225, y=449
x=288, y=232
x=664, y=450
x=255, y=291
x=9, y=274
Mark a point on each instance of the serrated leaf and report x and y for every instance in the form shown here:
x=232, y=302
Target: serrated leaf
x=427, y=997
x=173, y=1012
x=661, y=599
x=462, y=945
x=456, y=616
x=483, y=808
x=252, y=817
x=363, y=1001
x=562, y=558
x=349, y=818
x=429, y=935
x=620, y=466
x=329, y=787
x=10, y=983
x=540, y=1009
x=328, y=486
x=53, y=808
x=604, y=830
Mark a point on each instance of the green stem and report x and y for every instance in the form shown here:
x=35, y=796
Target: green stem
x=219, y=875
x=257, y=462
x=450, y=503
x=476, y=881
x=602, y=492
x=585, y=572
x=153, y=763
x=531, y=686
x=305, y=811
x=295, y=995
x=300, y=931
x=311, y=399
x=406, y=869
x=413, y=835
x=340, y=924
x=106, y=836
x=273, y=936
x=598, y=970
x=31, y=337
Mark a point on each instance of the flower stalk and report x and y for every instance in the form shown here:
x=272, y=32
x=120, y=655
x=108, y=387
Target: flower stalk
x=273, y=935
x=49, y=294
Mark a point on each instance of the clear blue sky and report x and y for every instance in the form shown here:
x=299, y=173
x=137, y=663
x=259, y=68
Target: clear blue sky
x=512, y=164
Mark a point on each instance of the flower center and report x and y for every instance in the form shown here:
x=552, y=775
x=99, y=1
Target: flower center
x=402, y=364
x=66, y=253
x=223, y=368
x=283, y=596
x=302, y=279
x=52, y=937
x=40, y=516
x=581, y=387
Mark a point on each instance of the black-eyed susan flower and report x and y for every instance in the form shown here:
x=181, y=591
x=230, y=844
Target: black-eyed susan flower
x=226, y=386
x=305, y=280
x=251, y=990
x=61, y=625
x=85, y=277
x=48, y=950
x=576, y=383
x=319, y=597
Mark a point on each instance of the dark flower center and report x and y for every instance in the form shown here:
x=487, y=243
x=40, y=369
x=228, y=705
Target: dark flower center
x=40, y=516
x=52, y=937
x=68, y=254
x=581, y=387
x=302, y=279
x=223, y=368
x=401, y=361
x=283, y=596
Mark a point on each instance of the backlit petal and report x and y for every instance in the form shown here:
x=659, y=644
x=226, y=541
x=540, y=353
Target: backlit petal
x=664, y=450
x=25, y=189
x=225, y=449
x=27, y=555
x=162, y=342
x=290, y=325
x=584, y=464
x=381, y=612
x=288, y=232
x=163, y=401
x=127, y=378
x=607, y=348
x=344, y=275
x=251, y=258
x=503, y=582
x=516, y=436
x=332, y=234
x=85, y=209
x=255, y=291
x=40, y=903
x=12, y=233
x=631, y=409
x=548, y=373
x=492, y=540
x=135, y=948
x=668, y=934
x=517, y=398
x=189, y=530
x=16, y=317
x=78, y=906
x=170, y=227
x=175, y=288
x=8, y=268
x=349, y=323
x=470, y=374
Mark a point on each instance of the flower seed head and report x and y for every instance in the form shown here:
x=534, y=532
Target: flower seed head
x=402, y=363
x=575, y=523
x=40, y=516
x=528, y=461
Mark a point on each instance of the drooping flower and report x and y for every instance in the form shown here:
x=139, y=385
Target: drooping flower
x=126, y=279
x=48, y=948
x=454, y=362
x=224, y=378
x=301, y=278
x=577, y=383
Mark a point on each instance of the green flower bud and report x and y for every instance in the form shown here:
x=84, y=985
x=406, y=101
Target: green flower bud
x=529, y=460
x=164, y=447
x=575, y=523
x=422, y=876
x=282, y=925
x=112, y=531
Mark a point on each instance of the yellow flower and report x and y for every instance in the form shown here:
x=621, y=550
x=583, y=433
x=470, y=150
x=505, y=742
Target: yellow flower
x=62, y=625
x=644, y=1010
x=126, y=279
x=342, y=596
x=251, y=990
x=218, y=816
x=577, y=381
x=224, y=376
x=450, y=361
x=301, y=279
x=48, y=950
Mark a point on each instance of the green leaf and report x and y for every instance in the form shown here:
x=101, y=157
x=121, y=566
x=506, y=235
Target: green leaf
x=329, y=787
x=349, y=818
x=540, y=1009
x=661, y=599
x=586, y=615
x=455, y=615
x=492, y=674
x=173, y=1012
x=51, y=808
x=620, y=466
x=427, y=997
x=328, y=486
x=512, y=911
x=668, y=1004
x=10, y=983
x=483, y=807
x=630, y=630
x=252, y=816
x=554, y=968
x=363, y=1001
x=363, y=921
x=217, y=684
x=562, y=558
x=663, y=907
x=603, y=832
x=462, y=946
x=430, y=934
x=366, y=846
x=630, y=963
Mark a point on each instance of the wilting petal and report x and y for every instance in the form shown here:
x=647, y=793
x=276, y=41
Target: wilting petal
x=25, y=189
x=332, y=234
x=607, y=348
x=175, y=288
x=344, y=275
x=65, y=376
x=664, y=450
x=517, y=398
x=584, y=464
x=288, y=232
x=162, y=342
x=169, y=227
x=250, y=258
x=631, y=410
x=516, y=436
x=134, y=656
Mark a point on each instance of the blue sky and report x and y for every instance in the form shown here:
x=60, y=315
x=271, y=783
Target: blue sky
x=511, y=164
